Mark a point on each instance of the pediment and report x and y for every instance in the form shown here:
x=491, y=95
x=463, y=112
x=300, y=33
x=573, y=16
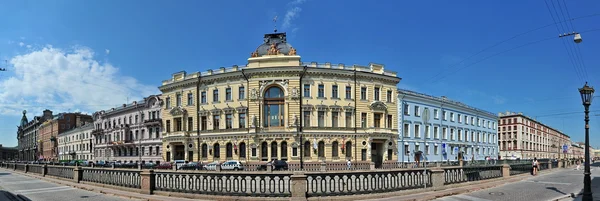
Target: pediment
x=177, y=111
x=378, y=105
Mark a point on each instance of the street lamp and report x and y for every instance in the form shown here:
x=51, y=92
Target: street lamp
x=586, y=97
x=297, y=124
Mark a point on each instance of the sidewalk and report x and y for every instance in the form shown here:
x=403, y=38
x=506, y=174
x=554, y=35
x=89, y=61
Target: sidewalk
x=103, y=190
x=465, y=188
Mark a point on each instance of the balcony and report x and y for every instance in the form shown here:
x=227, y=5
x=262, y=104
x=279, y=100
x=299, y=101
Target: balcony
x=97, y=131
x=153, y=122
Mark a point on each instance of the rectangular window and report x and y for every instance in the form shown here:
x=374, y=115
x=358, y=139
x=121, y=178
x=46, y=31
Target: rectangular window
x=178, y=100
x=178, y=124
x=228, y=94
x=459, y=119
x=451, y=116
x=376, y=93
x=321, y=91
x=435, y=114
x=389, y=121
x=377, y=120
x=406, y=150
x=459, y=135
x=444, y=115
x=216, y=122
x=321, y=118
x=203, y=99
x=228, y=121
x=167, y=103
x=427, y=149
x=215, y=95
x=363, y=120
x=473, y=121
x=242, y=120
x=405, y=130
x=417, y=111
x=168, y=126
x=427, y=132
x=334, y=91
x=307, y=90
x=444, y=133
x=417, y=131
x=334, y=119
x=348, y=92
x=190, y=99
x=348, y=119
x=363, y=93
x=242, y=92
x=204, y=123
x=306, y=119
x=435, y=149
x=406, y=109
x=389, y=96
x=190, y=122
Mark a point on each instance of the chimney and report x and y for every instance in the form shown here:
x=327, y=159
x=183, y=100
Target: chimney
x=78, y=122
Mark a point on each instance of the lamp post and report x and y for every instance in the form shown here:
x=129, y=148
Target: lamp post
x=586, y=97
x=297, y=124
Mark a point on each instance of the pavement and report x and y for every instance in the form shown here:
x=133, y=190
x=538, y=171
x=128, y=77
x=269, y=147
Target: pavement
x=18, y=187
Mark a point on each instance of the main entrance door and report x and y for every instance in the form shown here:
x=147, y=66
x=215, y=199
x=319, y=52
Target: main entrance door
x=377, y=153
x=179, y=152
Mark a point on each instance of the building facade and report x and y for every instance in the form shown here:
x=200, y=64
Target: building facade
x=131, y=133
x=526, y=138
x=27, y=135
x=452, y=131
x=76, y=144
x=51, y=128
x=8, y=153
x=261, y=111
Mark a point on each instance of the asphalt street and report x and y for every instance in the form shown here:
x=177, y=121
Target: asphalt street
x=542, y=187
x=36, y=189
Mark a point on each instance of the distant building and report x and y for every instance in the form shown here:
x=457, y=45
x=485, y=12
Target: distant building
x=51, y=128
x=526, y=138
x=453, y=129
x=8, y=153
x=129, y=133
x=577, y=150
x=27, y=135
x=76, y=144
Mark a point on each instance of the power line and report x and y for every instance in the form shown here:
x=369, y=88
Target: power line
x=580, y=56
x=566, y=113
x=508, y=39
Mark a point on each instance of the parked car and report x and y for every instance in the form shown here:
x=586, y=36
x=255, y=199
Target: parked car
x=232, y=165
x=191, y=166
x=211, y=166
x=277, y=165
x=164, y=166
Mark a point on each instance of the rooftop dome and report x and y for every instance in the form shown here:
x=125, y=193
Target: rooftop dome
x=274, y=44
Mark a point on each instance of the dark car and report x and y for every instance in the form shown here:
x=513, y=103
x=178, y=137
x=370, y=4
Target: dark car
x=164, y=166
x=191, y=166
x=277, y=165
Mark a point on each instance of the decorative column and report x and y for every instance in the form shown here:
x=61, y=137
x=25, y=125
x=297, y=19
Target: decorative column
x=299, y=186
x=148, y=183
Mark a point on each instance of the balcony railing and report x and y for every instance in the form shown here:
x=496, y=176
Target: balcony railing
x=152, y=122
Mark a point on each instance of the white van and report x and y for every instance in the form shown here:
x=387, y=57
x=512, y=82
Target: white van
x=179, y=163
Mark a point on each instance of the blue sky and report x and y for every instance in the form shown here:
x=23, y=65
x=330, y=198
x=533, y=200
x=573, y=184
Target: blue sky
x=91, y=55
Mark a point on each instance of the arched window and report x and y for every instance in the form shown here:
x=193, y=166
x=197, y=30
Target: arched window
x=242, y=150
x=217, y=151
x=273, y=150
x=334, y=149
x=204, y=151
x=273, y=107
x=264, y=151
x=229, y=150
x=321, y=149
x=284, y=150
x=307, y=149
x=348, y=149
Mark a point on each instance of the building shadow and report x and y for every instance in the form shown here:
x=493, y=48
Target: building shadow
x=11, y=196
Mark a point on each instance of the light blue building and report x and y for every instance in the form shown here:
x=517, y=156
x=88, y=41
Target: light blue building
x=452, y=128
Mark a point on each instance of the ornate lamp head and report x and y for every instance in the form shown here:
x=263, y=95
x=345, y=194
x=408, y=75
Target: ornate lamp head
x=587, y=93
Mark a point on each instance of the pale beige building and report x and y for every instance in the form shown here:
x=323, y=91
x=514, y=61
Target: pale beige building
x=520, y=136
x=259, y=111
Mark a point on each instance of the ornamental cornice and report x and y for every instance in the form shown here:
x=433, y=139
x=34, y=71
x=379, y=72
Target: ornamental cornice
x=177, y=85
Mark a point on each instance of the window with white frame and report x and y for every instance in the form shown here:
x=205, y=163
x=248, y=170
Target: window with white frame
x=417, y=111
x=459, y=119
x=427, y=149
x=444, y=134
x=435, y=149
x=435, y=114
x=451, y=116
x=406, y=112
x=459, y=135
x=444, y=115
x=435, y=132
x=427, y=131
x=405, y=130
x=417, y=131
x=452, y=134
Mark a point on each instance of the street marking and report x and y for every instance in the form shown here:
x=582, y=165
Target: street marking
x=448, y=199
x=548, y=182
x=48, y=191
x=22, y=182
x=41, y=189
x=471, y=198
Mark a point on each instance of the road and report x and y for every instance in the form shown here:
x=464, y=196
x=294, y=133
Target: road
x=36, y=189
x=542, y=187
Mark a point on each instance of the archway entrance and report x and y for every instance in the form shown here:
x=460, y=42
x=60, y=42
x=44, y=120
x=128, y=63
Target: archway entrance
x=377, y=153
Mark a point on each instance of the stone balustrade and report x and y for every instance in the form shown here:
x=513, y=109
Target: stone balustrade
x=286, y=185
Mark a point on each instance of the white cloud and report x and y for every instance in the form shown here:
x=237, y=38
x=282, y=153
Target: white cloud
x=28, y=46
x=21, y=44
x=63, y=80
x=292, y=13
x=107, y=51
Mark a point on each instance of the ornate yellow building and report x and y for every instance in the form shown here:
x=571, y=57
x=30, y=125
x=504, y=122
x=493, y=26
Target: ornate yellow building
x=260, y=111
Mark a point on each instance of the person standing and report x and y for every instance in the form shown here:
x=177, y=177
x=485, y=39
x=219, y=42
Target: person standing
x=535, y=166
x=349, y=164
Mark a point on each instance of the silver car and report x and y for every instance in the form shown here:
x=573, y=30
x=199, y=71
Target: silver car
x=232, y=165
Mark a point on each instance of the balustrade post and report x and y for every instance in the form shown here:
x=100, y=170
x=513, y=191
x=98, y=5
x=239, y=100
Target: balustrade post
x=505, y=170
x=148, y=183
x=26, y=168
x=323, y=166
x=438, y=164
x=299, y=183
x=77, y=174
x=218, y=167
x=269, y=168
x=372, y=165
x=550, y=165
x=437, y=178
x=44, y=170
x=460, y=163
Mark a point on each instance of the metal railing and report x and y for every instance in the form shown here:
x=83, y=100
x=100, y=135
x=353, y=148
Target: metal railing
x=62, y=172
x=124, y=178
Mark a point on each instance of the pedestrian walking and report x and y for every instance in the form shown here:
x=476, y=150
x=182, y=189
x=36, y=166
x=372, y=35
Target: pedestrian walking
x=349, y=164
x=535, y=166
